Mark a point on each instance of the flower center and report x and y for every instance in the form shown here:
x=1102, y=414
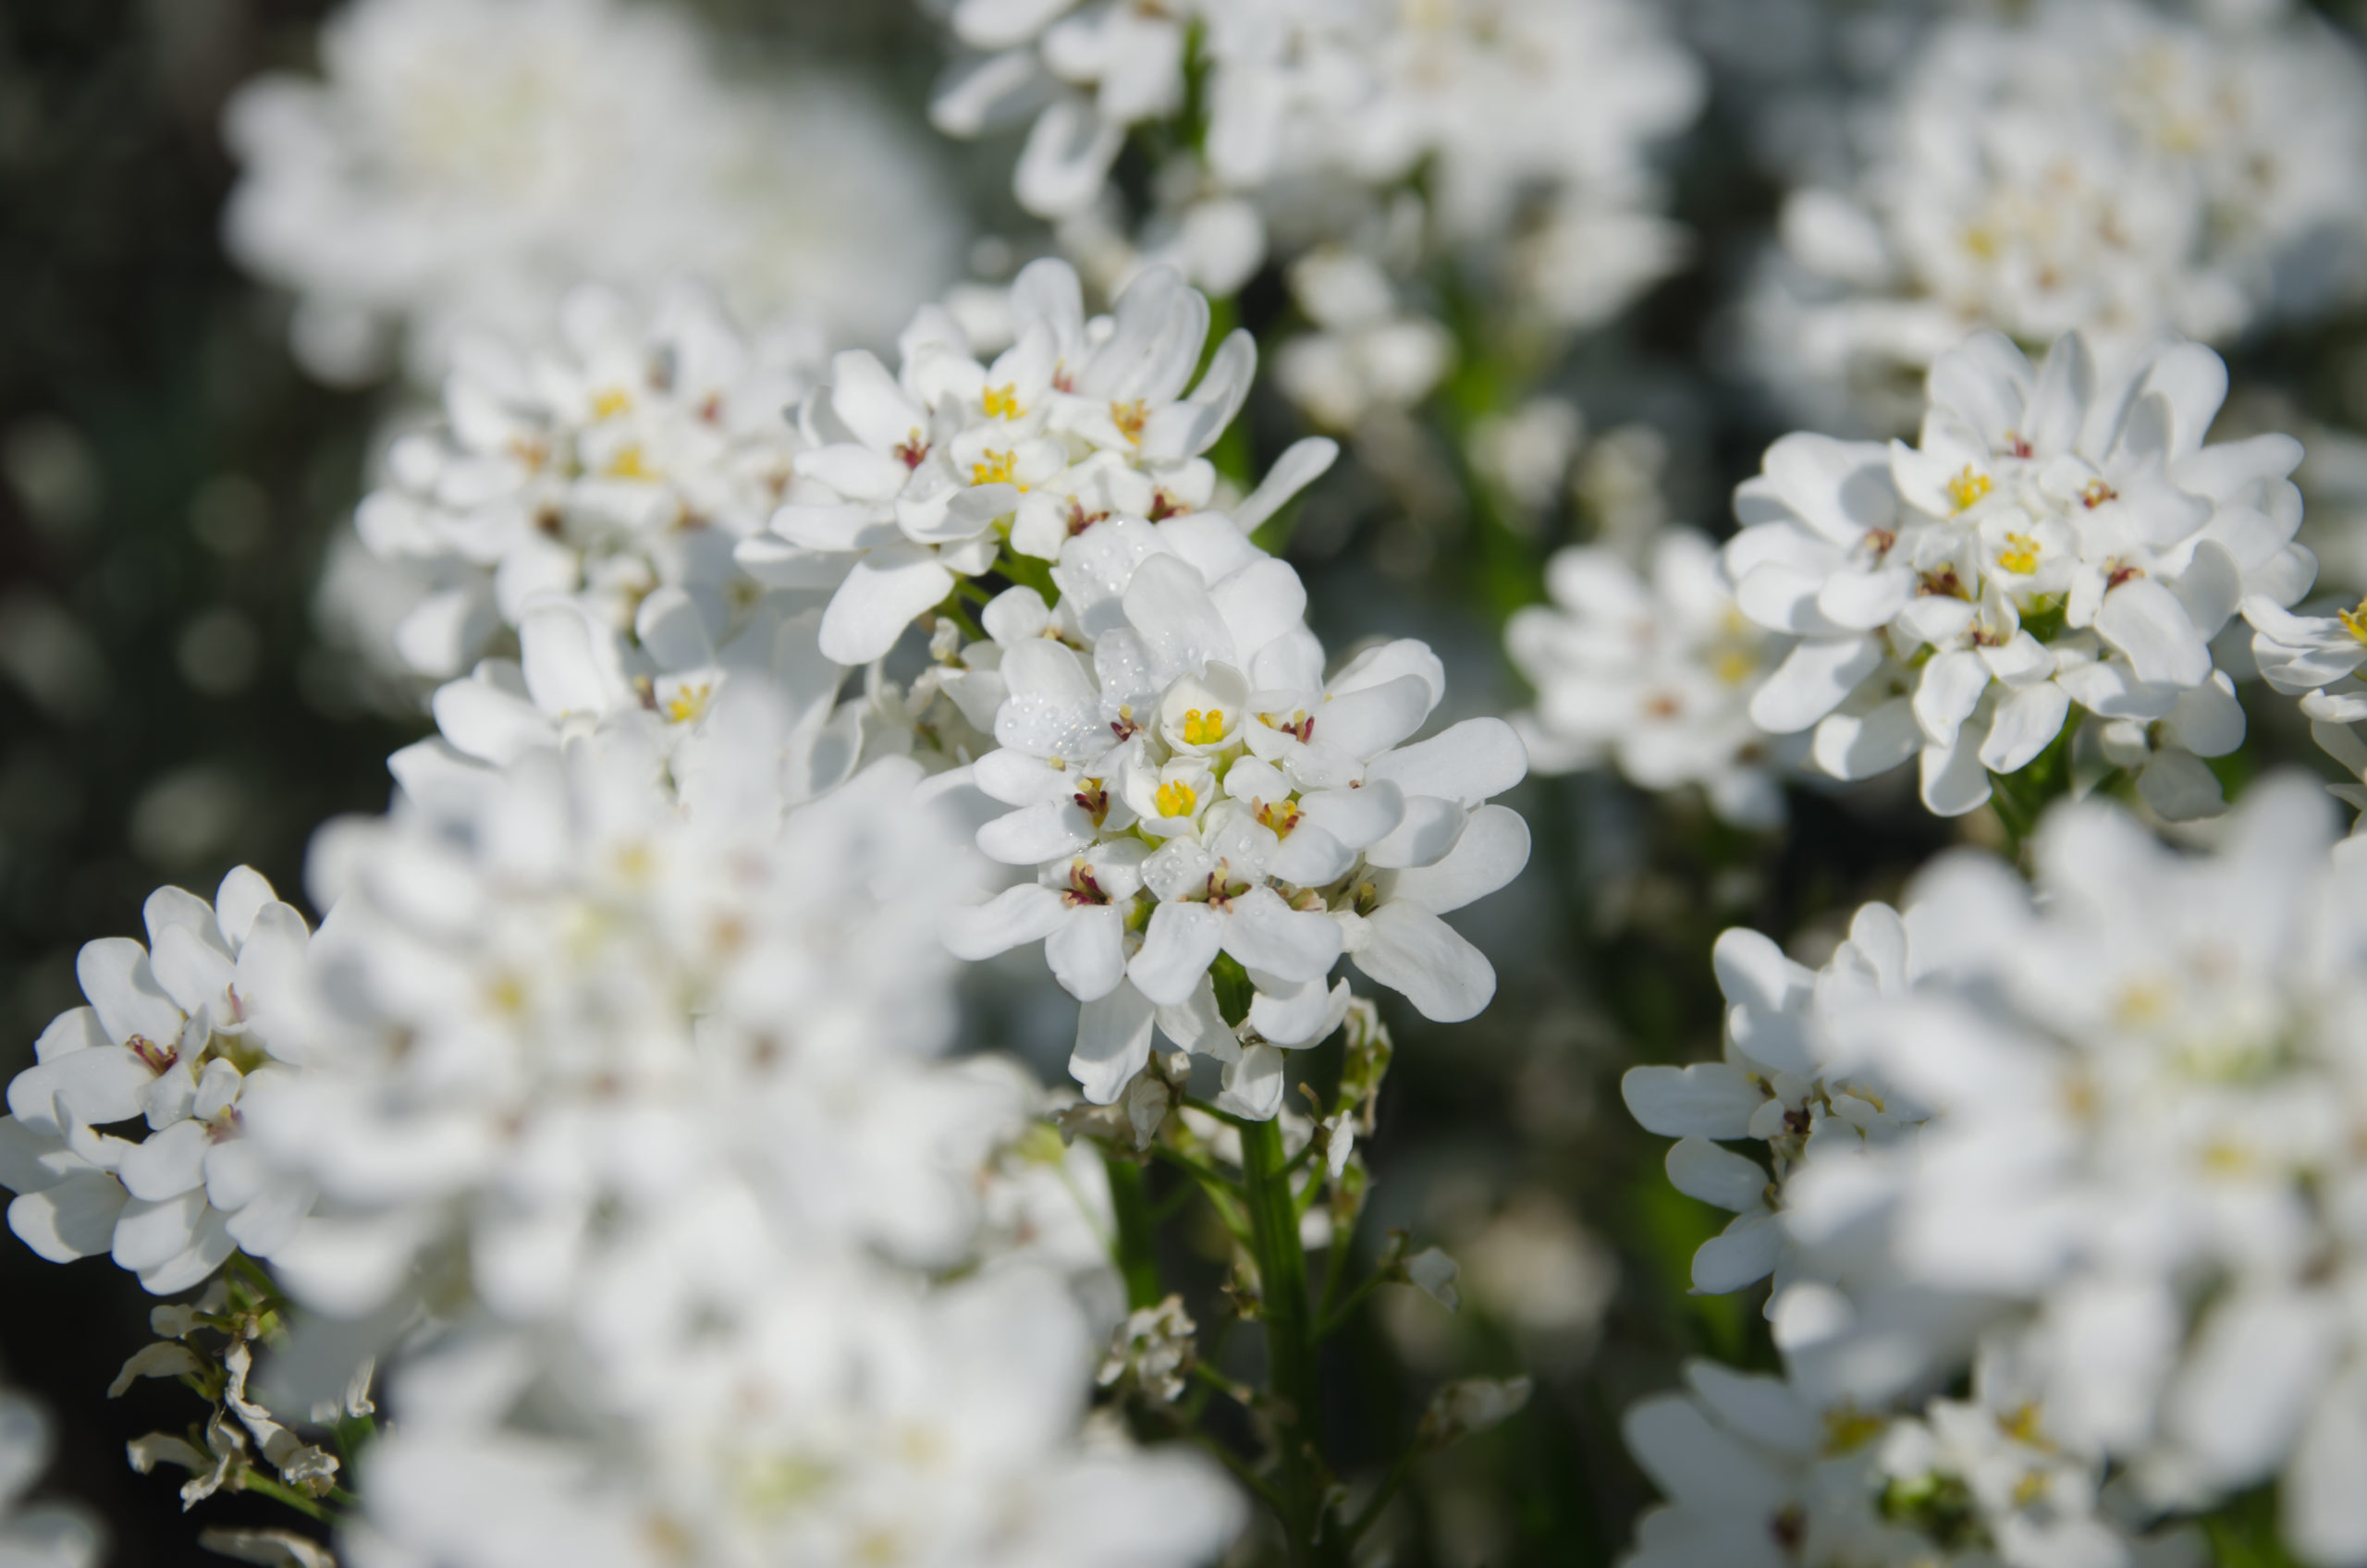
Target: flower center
x=1203, y=728
x=629, y=464
x=1130, y=417
x=2355, y=621
x=1298, y=726
x=1002, y=402
x=1967, y=488
x=2020, y=555
x=610, y=402
x=997, y=469
x=1176, y=798
x=2096, y=492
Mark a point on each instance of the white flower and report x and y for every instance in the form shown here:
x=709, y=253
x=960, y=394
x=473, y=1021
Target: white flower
x=630, y=454
x=46, y=1535
x=1198, y=787
x=914, y=479
x=1758, y=1471
x=461, y=164
x=2100, y=166
x=576, y=1023
x=2058, y=538
x=181, y=1033
x=1655, y=673
x=1536, y=118
x=835, y=1416
x=1365, y=351
x=2147, y=1084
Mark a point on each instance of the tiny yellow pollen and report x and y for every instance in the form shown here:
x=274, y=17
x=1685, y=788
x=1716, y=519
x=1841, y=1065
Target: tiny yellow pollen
x=1734, y=666
x=2021, y=1425
x=2022, y=556
x=609, y=402
x=2030, y=1489
x=1980, y=242
x=629, y=464
x=1203, y=728
x=1847, y=1427
x=1967, y=488
x=2355, y=621
x=1176, y=798
x=1002, y=402
x=688, y=703
x=998, y=468
x=1130, y=417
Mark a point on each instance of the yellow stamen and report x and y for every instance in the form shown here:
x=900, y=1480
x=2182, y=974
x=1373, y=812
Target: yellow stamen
x=2021, y=1425
x=1203, y=728
x=2030, y=1489
x=1734, y=666
x=1129, y=418
x=2022, y=557
x=1281, y=815
x=629, y=464
x=687, y=704
x=2354, y=621
x=609, y=403
x=1967, y=488
x=1845, y=1428
x=1002, y=402
x=1176, y=799
x=997, y=469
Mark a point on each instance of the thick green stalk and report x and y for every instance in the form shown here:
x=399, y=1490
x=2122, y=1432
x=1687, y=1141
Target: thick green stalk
x=1137, y=1239
x=1290, y=1339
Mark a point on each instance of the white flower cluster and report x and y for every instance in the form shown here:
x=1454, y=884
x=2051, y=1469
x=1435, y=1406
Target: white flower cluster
x=604, y=1101
x=1186, y=783
x=1306, y=118
x=2107, y=1130
x=2061, y=537
x=464, y=162
x=2104, y=166
x=618, y=468
x=1653, y=671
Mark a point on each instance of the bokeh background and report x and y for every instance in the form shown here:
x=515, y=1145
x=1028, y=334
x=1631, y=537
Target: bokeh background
x=172, y=703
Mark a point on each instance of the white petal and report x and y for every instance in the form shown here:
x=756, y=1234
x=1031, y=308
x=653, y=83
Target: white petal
x=1414, y=952
x=1253, y=1085
x=1700, y=1169
x=123, y=991
x=2146, y=622
x=1952, y=780
x=149, y=1234
x=1113, y=1043
x=1491, y=851
x=1088, y=951
x=1851, y=747
x=1945, y=696
x=1744, y=1253
x=1265, y=934
x=887, y=589
x=1012, y=918
x=1709, y=1099
x=1811, y=682
x=2025, y=723
x=1180, y=943
x=168, y=1164
x=1468, y=762
x=74, y=1218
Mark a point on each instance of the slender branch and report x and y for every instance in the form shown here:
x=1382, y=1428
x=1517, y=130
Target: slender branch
x=1372, y=1511
x=280, y=1491
x=1222, y=1195
x=1290, y=1344
x=1333, y=1320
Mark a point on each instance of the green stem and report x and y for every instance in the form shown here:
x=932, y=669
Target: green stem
x=1289, y=1338
x=1372, y=1511
x=1220, y=1192
x=279, y=1491
x=1136, y=1251
x=1335, y=1318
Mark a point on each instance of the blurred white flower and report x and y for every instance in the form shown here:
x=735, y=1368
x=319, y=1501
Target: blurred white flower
x=1535, y=118
x=2098, y=165
x=1655, y=673
x=1365, y=352
x=182, y=1032
x=2061, y=536
x=2141, y=1159
x=629, y=455
x=45, y=1534
x=464, y=162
